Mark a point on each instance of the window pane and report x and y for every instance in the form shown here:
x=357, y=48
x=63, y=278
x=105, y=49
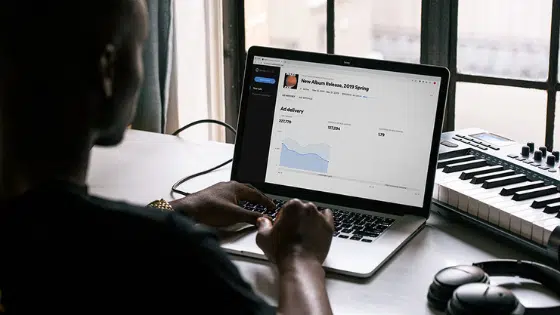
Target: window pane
x=378, y=29
x=556, y=138
x=291, y=24
x=504, y=38
x=516, y=113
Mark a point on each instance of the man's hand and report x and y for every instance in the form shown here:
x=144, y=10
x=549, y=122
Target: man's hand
x=218, y=205
x=300, y=231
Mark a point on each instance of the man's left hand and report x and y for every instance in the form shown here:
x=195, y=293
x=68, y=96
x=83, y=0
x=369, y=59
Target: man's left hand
x=218, y=205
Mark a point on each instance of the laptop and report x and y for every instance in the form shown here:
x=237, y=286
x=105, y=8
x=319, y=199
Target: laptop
x=357, y=136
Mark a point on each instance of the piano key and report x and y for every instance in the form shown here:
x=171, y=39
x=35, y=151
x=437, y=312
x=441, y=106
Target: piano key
x=535, y=192
x=473, y=202
x=527, y=221
x=496, y=206
x=461, y=166
x=477, y=205
x=539, y=228
x=515, y=218
x=543, y=201
x=521, y=186
x=468, y=174
x=552, y=207
x=457, y=192
x=444, y=162
x=479, y=179
x=525, y=218
x=506, y=208
x=504, y=181
x=486, y=211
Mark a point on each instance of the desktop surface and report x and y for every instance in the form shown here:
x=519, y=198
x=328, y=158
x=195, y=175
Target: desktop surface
x=145, y=166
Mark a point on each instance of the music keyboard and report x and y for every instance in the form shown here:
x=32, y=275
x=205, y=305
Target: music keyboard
x=507, y=187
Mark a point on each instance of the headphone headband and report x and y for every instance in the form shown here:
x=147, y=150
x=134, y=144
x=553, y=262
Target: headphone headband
x=547, y=276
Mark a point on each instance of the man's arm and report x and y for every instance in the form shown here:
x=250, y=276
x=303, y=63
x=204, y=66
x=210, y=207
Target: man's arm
x=302, y=287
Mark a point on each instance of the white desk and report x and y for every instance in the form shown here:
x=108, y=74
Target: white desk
x=146, y=165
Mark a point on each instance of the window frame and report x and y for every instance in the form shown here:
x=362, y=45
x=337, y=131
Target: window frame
x=438, y=46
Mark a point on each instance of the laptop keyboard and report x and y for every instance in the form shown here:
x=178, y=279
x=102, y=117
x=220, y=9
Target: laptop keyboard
x=348, y=225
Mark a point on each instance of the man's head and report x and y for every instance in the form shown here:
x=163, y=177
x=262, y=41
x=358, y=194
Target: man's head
x=69, y=69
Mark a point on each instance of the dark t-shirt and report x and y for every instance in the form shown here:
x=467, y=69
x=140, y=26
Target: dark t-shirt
x=64, y=251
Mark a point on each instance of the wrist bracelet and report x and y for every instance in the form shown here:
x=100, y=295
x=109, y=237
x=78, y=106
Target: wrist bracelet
x=161, y=204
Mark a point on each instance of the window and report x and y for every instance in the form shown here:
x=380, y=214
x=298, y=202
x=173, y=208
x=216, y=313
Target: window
x=502, y=67
x=280, y=24
x=378, y=29
x=502, y=54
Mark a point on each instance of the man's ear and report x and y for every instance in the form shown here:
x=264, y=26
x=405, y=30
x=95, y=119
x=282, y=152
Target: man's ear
x=107, y=69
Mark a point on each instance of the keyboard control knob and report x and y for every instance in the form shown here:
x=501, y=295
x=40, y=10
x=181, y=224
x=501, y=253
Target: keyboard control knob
x=544, y=150
x=556, y=155
x=525, y=150
x=537, y=156
x=531, y=146
x=550, y=160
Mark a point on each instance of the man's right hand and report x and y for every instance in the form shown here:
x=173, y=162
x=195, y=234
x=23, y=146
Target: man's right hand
x=299, y=231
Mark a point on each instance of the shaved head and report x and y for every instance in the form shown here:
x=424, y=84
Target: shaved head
x=70, y=74
x=53, y=54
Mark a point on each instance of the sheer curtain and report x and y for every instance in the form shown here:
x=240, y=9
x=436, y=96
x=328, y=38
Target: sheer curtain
x=200, y=83
x=183, y=64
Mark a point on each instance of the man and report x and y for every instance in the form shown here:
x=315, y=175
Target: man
x=69, y=78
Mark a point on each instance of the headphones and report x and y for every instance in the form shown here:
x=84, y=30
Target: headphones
x=466, y=290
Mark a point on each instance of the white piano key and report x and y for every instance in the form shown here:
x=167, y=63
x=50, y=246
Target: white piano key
x=482, y=206
x=506, y=208
x=473, y=195
x=443, y=191
x=527, y=217
x=459, y=192
x=515, y=218
x=455, y=189
x=539, y=226
x=494, y=208
x=442, y=194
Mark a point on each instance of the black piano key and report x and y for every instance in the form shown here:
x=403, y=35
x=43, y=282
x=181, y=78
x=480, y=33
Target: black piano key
x=542, y=202
x=468, y=174
x=535, y=193
x=457, y=159
x=479, y=179
x=504, y=181
x=521, y=186
x=552, y=207
x=461, y=166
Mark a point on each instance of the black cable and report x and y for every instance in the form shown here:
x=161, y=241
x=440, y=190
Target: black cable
x=174, y=188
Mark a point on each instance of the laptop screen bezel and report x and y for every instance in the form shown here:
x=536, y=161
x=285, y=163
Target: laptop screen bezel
x=346, y=61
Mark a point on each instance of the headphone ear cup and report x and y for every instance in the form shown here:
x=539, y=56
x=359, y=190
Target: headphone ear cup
x=480, y=298
x=449, y=279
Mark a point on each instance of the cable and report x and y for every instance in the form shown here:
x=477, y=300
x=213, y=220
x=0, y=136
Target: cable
x=174, y=188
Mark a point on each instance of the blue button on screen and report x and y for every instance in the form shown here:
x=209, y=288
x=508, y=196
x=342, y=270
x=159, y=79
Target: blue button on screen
x=265, y=80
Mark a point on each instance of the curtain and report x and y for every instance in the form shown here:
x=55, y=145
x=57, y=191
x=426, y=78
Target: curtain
x=155, y=95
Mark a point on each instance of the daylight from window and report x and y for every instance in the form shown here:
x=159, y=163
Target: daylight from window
x=496, y=38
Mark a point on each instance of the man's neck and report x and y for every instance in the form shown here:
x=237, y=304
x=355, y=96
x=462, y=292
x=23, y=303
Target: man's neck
x=18, y=175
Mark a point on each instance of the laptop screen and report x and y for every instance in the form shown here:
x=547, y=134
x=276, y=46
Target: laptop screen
x=335, y=129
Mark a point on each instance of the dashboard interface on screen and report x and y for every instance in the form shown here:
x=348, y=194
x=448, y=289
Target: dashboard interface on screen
x=350, y=131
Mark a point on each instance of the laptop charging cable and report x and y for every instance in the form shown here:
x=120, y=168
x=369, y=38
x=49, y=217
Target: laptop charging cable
x=174, y=188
